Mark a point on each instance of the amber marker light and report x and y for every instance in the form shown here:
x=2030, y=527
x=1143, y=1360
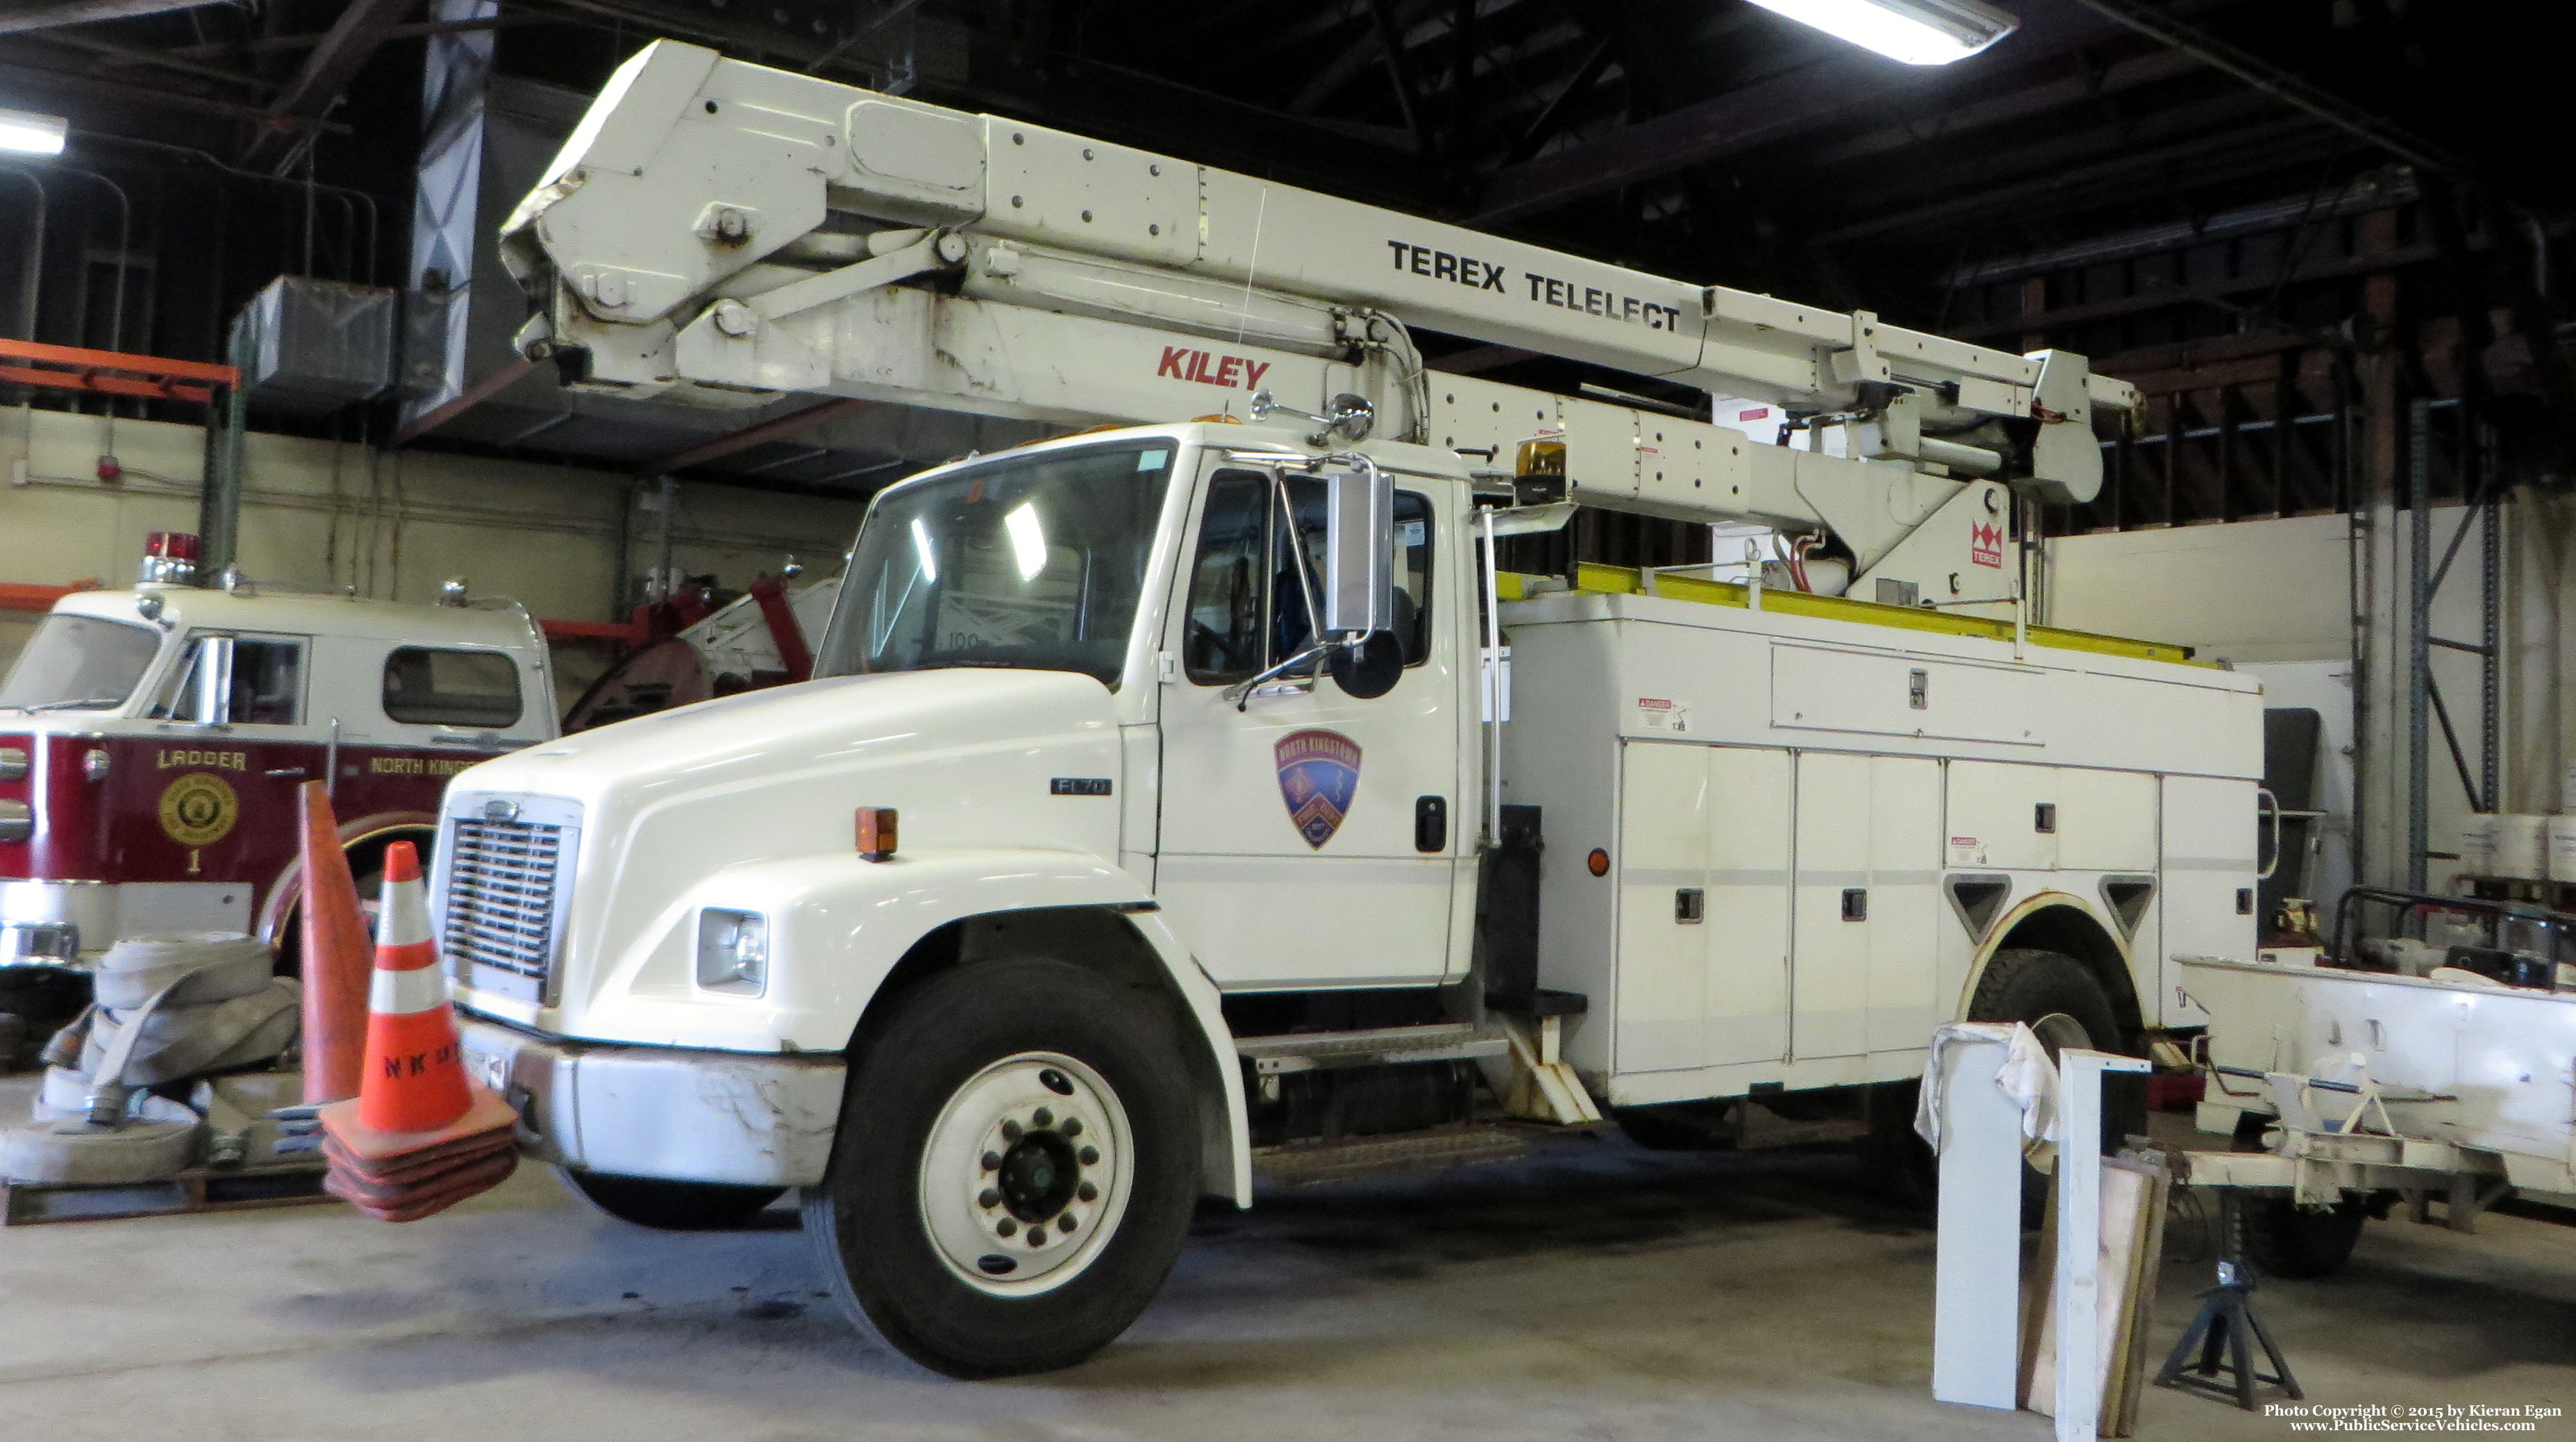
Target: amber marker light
x=876, y=833
x=1598, y=863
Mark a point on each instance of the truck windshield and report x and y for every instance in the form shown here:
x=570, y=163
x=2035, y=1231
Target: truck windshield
x=1032, y=563
x=79, y=663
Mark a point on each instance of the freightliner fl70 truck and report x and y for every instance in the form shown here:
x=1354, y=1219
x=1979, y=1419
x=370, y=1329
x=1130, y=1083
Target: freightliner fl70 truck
x=1199, y=800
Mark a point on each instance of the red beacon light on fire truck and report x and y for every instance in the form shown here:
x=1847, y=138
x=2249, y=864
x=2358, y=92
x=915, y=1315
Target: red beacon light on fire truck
x=169, y=558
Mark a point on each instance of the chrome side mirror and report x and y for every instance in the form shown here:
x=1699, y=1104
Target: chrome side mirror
x=1359, y=551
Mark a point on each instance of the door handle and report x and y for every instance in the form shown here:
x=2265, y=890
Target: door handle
x=287, y=771
x=1431, y=823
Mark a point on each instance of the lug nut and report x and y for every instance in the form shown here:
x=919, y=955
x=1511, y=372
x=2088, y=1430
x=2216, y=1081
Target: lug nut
x=1010, y=1131
x=1087, y=1192
x=1007, y=1226
x=1072, y=1127
x=992, y=1161
x=1043, y=1118
x=1090, y=1156
x=1037, y=1236
x=989, y=1198
x=1064, y=1225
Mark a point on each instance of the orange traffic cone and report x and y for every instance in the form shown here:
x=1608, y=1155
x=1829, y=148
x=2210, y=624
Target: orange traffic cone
x=335, y=957
x=421, y=1135
x=415, y=1074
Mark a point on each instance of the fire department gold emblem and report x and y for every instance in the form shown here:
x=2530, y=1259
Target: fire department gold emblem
x=199, y=809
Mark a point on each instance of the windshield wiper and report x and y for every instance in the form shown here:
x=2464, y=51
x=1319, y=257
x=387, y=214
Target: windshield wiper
x=72, y=705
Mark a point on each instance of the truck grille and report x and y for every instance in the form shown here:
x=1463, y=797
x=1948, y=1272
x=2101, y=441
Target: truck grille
x=502, y=893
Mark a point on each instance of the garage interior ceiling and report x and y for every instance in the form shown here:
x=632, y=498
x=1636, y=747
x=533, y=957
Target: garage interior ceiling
x=2253, y=208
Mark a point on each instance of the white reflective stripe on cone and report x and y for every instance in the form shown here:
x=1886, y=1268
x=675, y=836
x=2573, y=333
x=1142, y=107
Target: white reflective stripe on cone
x=396, y=993
x=404, y=917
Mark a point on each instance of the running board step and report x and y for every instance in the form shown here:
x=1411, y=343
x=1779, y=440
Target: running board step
x=1343, y=1159
x=1327, y=1050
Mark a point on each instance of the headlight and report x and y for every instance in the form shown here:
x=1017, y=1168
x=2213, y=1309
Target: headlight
x=733, y=951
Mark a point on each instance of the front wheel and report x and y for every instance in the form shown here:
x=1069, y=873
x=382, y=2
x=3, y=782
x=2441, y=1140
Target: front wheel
x=1014, y=1171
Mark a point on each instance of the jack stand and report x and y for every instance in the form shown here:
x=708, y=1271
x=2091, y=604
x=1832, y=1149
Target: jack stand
x=2225, y=1321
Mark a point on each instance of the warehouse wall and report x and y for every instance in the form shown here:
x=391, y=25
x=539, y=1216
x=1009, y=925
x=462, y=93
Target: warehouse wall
x=2278, y=597
x=393, y=525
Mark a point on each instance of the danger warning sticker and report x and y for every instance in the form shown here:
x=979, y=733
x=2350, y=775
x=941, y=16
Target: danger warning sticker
x=1655, y=713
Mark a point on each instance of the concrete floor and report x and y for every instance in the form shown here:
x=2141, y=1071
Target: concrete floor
x=1594, y=1292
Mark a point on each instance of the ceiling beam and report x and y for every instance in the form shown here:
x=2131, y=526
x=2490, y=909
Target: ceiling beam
x=111, y=56
x=19, y=19
x=345, y=49
x=162, y=98
x=474, y=395
x=2062, y=190
x=2283, y=86
x=792, y=423
x=265, y=44
x=1765, y=113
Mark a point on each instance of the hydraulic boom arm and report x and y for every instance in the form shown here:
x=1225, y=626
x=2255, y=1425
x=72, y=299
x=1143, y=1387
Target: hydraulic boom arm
x=721, y=232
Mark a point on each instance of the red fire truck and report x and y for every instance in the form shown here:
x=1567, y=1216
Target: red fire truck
x=151, y=742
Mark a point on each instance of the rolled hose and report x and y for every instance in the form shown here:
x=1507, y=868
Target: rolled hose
x=209, y=966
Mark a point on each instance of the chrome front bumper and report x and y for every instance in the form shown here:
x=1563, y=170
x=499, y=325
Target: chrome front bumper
x=667, y=1112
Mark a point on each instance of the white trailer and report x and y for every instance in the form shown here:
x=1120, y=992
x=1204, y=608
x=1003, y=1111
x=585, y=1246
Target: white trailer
x=2350, y=1091
x=1190, y=801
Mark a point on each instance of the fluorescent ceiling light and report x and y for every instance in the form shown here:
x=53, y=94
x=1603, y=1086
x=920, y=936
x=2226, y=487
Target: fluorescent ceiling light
x=24, y=133
x=1028, y=540
x=1918, y=32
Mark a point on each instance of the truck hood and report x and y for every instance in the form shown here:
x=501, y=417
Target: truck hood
x=672, y=803
x=839, y=725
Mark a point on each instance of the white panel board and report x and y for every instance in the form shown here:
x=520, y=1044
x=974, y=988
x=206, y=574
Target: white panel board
x=1993, y=822
x=1821, y=688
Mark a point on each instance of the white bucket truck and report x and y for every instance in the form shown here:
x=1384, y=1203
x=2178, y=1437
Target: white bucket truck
x=1168, y=805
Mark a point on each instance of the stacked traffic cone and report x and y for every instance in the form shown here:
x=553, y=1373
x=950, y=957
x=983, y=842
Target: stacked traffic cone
x=421, y=1135
x=334, y=957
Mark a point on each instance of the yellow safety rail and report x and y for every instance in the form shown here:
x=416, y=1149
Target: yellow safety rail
x=1628, y=581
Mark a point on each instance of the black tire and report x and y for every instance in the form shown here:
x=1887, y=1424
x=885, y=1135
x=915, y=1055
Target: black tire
x=1899, y=1162
x=2283, y=1239
x=2046, y=991
x=673, y=1206
x=920, y=1085
x=1676, y=1128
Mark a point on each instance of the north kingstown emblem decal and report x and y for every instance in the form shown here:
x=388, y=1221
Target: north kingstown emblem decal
x=1319, y=773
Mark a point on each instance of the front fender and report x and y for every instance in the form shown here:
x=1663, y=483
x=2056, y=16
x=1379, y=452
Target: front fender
x=837, y=927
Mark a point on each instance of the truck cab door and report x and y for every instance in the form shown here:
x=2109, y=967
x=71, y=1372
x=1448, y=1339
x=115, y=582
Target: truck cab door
x=1310, y=836
x=225, y=782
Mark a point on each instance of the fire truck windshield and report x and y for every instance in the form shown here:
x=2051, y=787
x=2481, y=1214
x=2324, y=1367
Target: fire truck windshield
x=1033, y=562
x=79, y=663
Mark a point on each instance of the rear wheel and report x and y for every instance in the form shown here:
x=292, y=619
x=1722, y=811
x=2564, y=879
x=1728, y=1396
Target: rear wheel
x=1014, y=1173
x=2058, y=999
x=2283, y=1239
x=1901, y=1166
x=672, y=1206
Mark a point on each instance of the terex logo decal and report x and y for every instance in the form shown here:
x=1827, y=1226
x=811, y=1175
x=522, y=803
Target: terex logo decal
x=1477, y=274
x=1234, y=372
x=1986, y=544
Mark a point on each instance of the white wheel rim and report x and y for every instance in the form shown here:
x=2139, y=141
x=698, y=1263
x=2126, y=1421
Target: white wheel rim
x=2058, y=1031
x=1001, y=1208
